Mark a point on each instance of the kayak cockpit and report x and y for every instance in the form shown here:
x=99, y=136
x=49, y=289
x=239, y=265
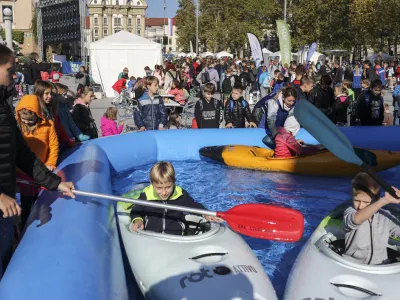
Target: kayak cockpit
x=196, y=228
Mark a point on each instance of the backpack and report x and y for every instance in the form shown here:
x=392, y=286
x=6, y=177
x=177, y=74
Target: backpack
x=44, y=75
x=56, y=76
x=205, y=77
x=227, y=85
x=375, y=106
x=27, y=72
x=215, y=107
x=232, y=104
x=266, y=83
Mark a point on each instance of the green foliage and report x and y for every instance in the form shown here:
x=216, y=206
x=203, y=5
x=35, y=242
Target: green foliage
x=17, y=36
x=334, y=24
x=186, y=24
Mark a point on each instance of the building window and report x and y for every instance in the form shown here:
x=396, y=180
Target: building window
x=138, y=3
x=96, y=22
x=116, y=2
x=138, y=21
x=129, y=22
x=105, y=21
x=96, y=32
x=117, y=30
x=95, y=1
x=105, y=32
x=138, y=32
x=117, y=21
x=169, y=41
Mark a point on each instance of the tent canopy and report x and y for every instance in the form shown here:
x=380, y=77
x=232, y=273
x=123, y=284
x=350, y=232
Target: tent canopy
x=206, y=54
x=110, y=55
x=266, y=51
x=223, y=54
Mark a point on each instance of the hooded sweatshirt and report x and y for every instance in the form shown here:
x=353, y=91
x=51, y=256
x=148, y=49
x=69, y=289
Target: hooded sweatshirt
x=43, y=141
x=340, y=109
x=367, y=242
x=109, y=127
x=83, y=118
x=286, y=144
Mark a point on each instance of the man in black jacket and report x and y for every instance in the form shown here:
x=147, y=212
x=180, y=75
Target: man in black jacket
x=14, y=152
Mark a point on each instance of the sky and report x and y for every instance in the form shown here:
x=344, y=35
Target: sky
x=156, y=8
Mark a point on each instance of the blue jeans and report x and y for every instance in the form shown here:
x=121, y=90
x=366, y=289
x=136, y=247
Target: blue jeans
x=396, y=121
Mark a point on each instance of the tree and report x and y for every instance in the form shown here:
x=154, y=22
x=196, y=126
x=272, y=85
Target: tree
x=186, y=24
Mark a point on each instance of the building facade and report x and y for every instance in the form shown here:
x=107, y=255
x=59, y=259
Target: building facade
x=23, y=12
x=158, y=29
x=111, y=16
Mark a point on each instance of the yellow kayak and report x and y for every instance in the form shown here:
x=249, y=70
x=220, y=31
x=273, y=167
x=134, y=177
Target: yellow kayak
x=321, y=163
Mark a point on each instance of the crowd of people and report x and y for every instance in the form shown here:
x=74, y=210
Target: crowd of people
x=232, y=94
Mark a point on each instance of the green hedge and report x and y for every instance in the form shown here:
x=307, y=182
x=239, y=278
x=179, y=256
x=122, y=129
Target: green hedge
x=17, y=36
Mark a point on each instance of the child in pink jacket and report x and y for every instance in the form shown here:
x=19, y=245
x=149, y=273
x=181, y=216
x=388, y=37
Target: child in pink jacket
x=177, y=91
x=108, y=125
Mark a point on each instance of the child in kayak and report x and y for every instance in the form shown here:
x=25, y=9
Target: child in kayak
x=163, y=189
x=287, y=145
x=367, y=226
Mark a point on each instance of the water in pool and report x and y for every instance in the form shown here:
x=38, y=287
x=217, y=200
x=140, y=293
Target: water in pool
x=220, y=187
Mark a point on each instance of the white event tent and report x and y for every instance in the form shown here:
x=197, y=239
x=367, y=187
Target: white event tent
x=110, y=55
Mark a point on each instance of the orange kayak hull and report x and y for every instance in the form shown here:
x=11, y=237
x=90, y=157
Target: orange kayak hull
x=321, y=163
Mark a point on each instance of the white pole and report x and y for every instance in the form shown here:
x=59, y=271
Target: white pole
x=197, y=27
x=284, y=11
x=7, y=16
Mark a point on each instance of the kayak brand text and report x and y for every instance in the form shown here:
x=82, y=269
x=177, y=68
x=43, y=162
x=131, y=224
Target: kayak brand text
x=206, y=273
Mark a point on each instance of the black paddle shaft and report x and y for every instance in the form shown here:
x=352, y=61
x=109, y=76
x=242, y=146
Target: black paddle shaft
x=366, y=168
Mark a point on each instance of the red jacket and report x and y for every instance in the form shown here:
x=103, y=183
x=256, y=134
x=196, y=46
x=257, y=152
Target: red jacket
x=287, y=146
x=119, y=85
x=52, y=76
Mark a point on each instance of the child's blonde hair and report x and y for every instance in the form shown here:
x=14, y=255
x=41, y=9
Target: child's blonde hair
x=363, y=183
x=347, y=83
x=162, y=172
x=366, y=82
x=111, y=113
x=341, y=90
x=30, y=116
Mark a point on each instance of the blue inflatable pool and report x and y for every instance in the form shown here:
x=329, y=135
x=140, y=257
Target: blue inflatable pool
x=71, y=248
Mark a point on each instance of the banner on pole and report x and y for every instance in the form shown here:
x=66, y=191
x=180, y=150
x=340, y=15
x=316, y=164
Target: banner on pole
x=255, y=49
x=311, y=51
x=170, y=24
x=284, y=42
x=191, y=47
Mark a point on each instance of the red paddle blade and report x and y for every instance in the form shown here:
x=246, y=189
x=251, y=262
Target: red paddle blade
x=265, y=222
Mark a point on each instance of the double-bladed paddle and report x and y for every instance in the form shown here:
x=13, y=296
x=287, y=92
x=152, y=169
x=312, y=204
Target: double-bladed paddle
x=325, y=132
x=261, y=221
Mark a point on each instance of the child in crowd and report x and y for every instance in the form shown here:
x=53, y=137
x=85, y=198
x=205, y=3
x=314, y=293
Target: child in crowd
x=82, y=79
x=208, y=111
x=159, y=74
x=396, y=103
x=64, y=113
x=108, y=123
x=370, y=105
x=164, y=189
x=237, y=110
x=177, y=91
x=118, y=87
x=365, y=85
x=174, y=121
x=279, y=83
x=131, y=82
x=41, y=137
x=340, y=105
x=55, y=75
x=274, y=80
x=366, y=225
x=287, y=145
x=150, y=113
x=50, y=110
x=82, y=115
x=388, y=119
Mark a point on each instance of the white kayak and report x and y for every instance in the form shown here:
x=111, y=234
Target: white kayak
x=322, y=273
x=216, y=263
